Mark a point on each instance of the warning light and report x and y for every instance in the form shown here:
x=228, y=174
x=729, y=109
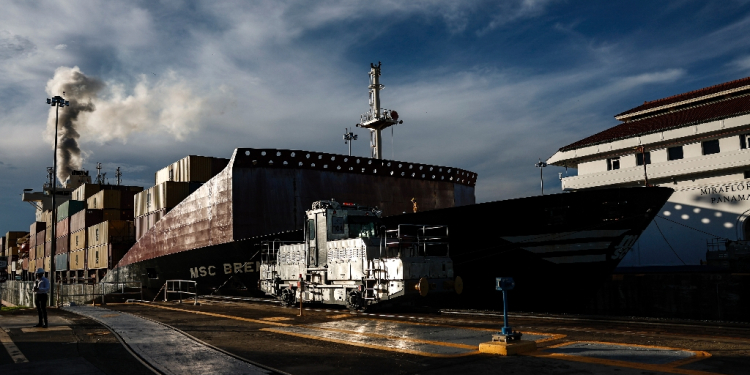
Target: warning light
x=348, y=204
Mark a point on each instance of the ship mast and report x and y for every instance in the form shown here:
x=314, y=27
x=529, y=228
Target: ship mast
x=375, y=120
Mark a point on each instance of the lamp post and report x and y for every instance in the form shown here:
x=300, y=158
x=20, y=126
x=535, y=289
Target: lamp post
x=348, y=138
x=57, y=102
x=541, y=166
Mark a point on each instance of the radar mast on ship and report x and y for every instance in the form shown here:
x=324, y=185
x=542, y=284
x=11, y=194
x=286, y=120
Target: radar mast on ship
x=375, y=120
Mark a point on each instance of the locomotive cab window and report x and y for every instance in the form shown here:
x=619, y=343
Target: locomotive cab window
x=311, y=229
x=363, y=226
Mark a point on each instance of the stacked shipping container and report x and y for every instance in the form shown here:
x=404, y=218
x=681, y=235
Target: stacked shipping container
x=108, y=242
x=172, y=185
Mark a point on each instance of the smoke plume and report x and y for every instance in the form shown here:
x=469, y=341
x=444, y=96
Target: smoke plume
x=81, y=91
x=103, y=112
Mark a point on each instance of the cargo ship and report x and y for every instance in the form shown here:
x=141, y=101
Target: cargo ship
x=206, y=220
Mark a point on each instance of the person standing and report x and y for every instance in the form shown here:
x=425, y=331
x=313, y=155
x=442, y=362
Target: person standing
x=41, y=290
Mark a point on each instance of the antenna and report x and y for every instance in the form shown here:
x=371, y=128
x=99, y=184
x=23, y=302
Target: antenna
x=99, y=178
x=348, y=138
x=374, y=119
x=118, y=175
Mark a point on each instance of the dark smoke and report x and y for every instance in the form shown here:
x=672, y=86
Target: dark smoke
x=80, y=91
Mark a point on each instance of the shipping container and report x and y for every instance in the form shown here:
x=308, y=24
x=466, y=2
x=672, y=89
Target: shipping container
x=11, y=240
x=105, y=256
x=112, y=214
x=62, y=245
x=126, y=199
x=47, y=263
x=13, y=250
x=105, y=199
x=166, y=195
x=32, y=252
x=69, y=208
x=77, y=260
x=85, y=191
x=25, y=264
x=63, y=228
x=141, y=203
x=2, y=246
x=41, y=237
x=115, y=231
x=141, y=226
x=191, y=169
x=98, y=257
x=78, y=240
x=37, y=227
x=47, y=249
x=61, y=262
x=48, y=234
x=84, y=219
x=47, y=215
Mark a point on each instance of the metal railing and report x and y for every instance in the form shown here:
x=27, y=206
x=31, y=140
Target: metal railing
x=181, y=287
x=105, y=288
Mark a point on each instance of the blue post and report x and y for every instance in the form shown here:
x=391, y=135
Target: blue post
x=506, y=329
x=504, y=284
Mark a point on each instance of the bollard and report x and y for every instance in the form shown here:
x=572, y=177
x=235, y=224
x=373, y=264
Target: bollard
x=504, y=284
x=506, y=342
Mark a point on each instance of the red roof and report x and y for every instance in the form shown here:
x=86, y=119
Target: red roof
x=689, y=95
x=699, y=114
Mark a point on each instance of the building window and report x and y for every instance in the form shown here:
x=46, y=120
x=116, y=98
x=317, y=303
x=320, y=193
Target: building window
x=710, y=147
x=744, y=141
x=613, y=163
x=639, y=158
x=674, y=153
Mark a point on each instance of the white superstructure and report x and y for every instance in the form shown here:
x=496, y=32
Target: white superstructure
x=697, y=143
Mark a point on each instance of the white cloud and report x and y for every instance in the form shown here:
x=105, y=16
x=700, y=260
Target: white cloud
x=61, y=46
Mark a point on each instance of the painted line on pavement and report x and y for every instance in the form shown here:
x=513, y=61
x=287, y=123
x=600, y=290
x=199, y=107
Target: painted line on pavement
x=365, y=345
x=217, y=315
x=11, y=348
x=671, y=367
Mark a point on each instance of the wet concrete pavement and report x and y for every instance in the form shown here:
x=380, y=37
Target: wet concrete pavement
x=336, y=342
x=71, y=345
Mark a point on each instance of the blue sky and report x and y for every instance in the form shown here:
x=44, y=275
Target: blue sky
x=482, y=85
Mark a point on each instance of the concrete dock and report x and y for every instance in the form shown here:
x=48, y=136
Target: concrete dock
x=253, y=337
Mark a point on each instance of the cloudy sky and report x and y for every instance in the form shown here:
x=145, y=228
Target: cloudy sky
x=483, y=85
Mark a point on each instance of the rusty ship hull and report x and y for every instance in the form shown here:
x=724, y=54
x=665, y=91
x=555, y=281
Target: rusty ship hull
x=214, y=235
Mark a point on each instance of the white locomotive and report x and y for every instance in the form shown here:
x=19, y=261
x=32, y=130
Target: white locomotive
x=349, y=258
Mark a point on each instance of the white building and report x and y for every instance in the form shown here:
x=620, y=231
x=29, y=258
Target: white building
x=696, y=143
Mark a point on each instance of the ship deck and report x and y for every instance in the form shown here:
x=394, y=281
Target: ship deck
x=266, y=338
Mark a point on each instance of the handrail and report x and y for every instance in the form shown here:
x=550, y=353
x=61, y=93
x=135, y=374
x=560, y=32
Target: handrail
x=121, y=285
x=179, y=291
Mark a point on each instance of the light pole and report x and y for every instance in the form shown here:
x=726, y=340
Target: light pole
x=57, y=102
x=348, y=138
x=541, y=166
